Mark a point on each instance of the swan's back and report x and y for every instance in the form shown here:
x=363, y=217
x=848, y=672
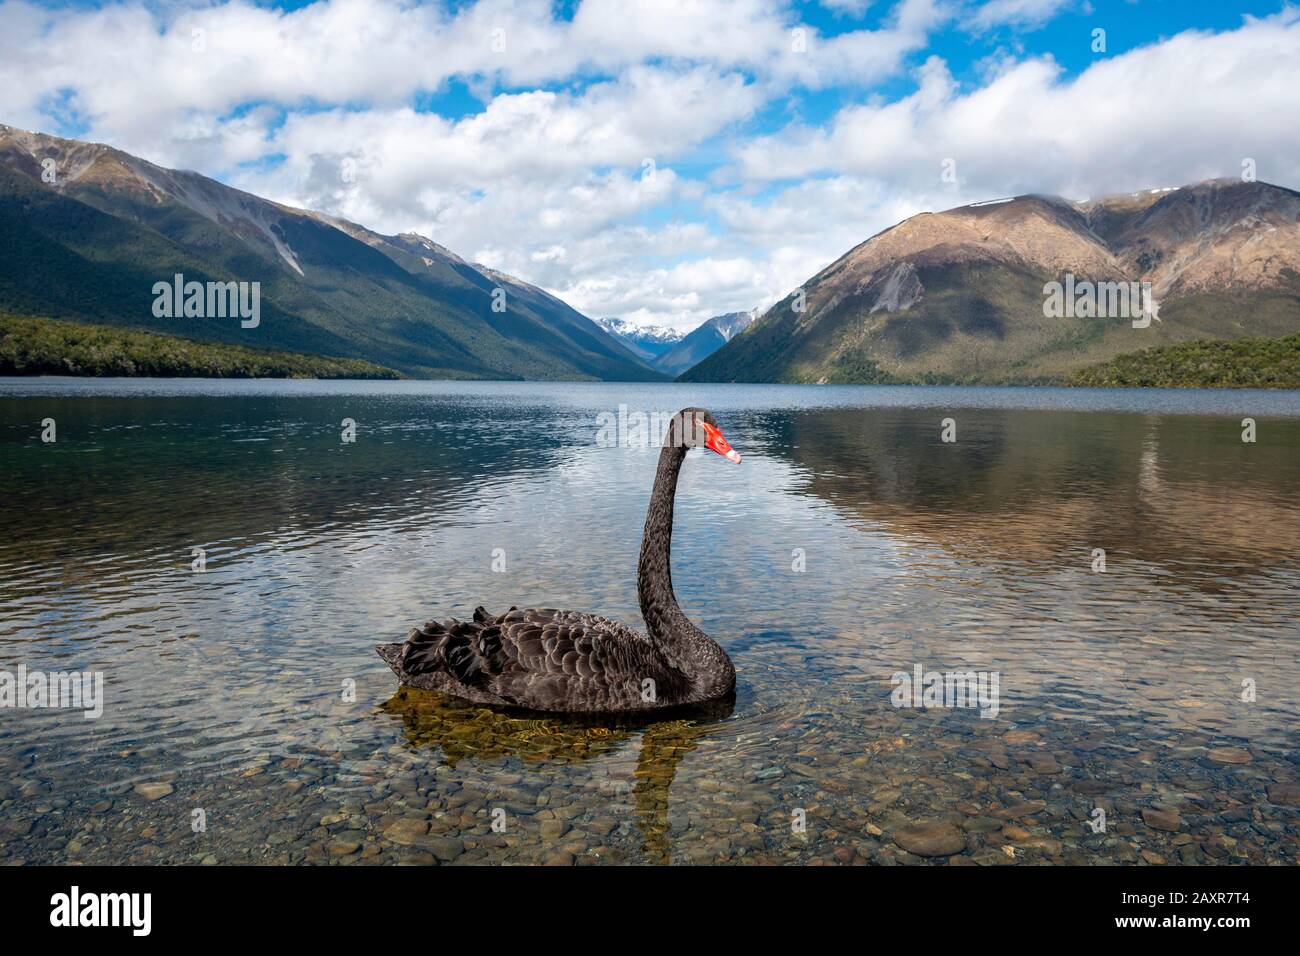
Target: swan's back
x=540, y=659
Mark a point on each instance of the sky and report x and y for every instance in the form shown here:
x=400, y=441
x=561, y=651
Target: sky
x=665, y=160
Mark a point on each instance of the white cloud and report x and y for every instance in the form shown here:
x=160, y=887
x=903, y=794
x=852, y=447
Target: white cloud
x=648, y=116
x=1188, y=108
x=1019, y=12
x=855, y=8
x=134, y=73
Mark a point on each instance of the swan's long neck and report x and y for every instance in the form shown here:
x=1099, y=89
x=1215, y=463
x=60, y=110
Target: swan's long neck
x=687, y=647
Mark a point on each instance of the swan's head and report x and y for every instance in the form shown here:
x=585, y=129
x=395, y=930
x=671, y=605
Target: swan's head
x=696, y=428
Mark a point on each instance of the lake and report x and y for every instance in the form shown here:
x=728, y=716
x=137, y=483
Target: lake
x=1139, y=705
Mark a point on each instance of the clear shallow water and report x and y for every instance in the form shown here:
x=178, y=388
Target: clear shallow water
x=1119, y=690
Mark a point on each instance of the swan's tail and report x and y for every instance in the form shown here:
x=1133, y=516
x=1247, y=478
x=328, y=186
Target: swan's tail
x=392, y=655
x=457, y=648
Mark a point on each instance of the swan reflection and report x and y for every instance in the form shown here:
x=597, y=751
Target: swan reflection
x=465, y=732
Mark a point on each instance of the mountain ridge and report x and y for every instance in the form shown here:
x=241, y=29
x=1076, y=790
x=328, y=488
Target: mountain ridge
x=647, y=342
x=328, y=286
x=958, y=296
x=672, y=352
x=702, y=341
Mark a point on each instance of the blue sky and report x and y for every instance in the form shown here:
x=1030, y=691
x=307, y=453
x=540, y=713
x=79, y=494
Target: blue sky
x=670, y=160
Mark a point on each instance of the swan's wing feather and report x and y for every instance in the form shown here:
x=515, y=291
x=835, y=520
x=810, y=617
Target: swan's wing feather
x=542, y=658
x=545, y=641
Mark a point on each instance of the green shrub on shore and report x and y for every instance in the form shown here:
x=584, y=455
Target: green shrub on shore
x=1241, y=363
x=32, y=346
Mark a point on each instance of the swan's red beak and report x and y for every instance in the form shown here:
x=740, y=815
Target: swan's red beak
x=718, y=443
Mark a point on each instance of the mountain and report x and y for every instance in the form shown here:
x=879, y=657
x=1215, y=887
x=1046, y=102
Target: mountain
x=90, y=245
x=959, y=296
x=703, y=341
x=672, y=352
x=647, y=342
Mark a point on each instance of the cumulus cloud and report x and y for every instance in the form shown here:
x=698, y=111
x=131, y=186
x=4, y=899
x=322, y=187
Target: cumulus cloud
x=1191, y=107
x=540, y=138
x=108, y=61
x=1020, y=12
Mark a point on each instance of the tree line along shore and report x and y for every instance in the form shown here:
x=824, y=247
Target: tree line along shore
x=39, y=346
x=42, y=346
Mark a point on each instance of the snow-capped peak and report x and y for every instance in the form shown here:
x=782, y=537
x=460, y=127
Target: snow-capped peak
x=639, y=333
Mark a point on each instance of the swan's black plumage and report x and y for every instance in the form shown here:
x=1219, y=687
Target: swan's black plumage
x=568, y=661
x=539, y=659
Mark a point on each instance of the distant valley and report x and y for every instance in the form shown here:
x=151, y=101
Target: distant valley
x=671, y=352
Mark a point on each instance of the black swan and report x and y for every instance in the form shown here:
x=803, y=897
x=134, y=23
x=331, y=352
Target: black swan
x=542, y=659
